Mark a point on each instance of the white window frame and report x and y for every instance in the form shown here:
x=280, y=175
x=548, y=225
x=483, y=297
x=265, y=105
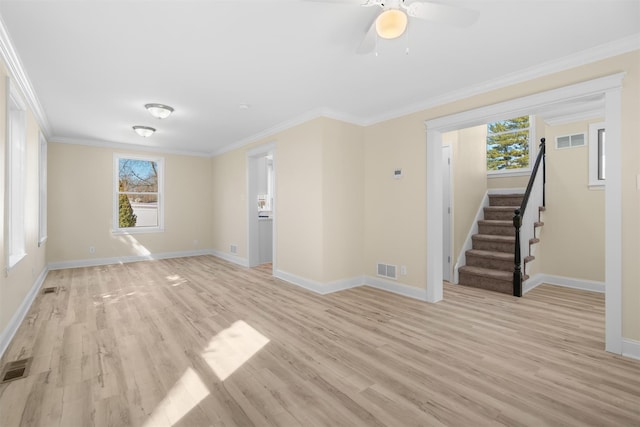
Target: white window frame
x=594, y=159
x=138, y=230
x=16, y=137
x=533, y=151
x=42, y=181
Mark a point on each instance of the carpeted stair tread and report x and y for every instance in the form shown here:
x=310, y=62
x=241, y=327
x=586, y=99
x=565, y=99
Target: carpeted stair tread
x=503, y=256
x=501, y=222
x=493, y=238
x=488, y=272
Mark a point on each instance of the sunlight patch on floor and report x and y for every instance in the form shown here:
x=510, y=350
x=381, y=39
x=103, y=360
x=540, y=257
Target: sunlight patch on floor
x=232, y=347
x=187, y=392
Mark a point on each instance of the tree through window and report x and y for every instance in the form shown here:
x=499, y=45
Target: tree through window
x=508, y=144
x=138, y=193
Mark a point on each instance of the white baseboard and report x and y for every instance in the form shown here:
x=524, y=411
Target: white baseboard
x=7, y=335
x=319, y=287
x=631, y=348
x=567, y=282
x=396, y=288
x=93, y=262
x=244, y=262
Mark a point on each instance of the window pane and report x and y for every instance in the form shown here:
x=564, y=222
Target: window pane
x=138, y=210
x=601, y=175
x=508, y=150
x=138, y=175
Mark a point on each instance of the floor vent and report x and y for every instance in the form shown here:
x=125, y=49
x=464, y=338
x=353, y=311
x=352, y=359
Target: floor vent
x=50, y=290
x=16, y=370
x=386, y=270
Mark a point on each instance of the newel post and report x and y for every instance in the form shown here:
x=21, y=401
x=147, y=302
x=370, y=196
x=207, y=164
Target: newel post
x=517, y=258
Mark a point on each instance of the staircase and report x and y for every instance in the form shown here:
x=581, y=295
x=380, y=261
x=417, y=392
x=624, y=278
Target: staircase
x=490, y=262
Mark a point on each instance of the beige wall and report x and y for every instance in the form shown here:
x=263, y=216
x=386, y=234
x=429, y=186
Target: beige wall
x=81, y=206
x=572, y=243
x=319, y=200
x=343, y=200
x=469, y=181
x=16, y=284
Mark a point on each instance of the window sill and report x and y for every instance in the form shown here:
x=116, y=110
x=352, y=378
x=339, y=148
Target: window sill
x=141, y=230
x=14, y=260
x=504, y=174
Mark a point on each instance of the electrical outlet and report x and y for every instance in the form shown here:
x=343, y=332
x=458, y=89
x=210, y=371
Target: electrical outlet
x=92, y=249
x=234, y=249
x=403, y=270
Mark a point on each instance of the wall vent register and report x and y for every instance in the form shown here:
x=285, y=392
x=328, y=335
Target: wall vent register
x=386, y=270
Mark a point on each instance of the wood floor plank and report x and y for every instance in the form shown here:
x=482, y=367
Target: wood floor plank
x=138, y=345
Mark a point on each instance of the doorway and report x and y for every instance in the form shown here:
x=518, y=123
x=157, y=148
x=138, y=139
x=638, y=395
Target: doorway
x=610, y=88
x=261, y=203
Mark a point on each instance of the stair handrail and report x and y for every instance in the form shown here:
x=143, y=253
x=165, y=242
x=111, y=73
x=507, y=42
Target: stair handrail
x=520, y=212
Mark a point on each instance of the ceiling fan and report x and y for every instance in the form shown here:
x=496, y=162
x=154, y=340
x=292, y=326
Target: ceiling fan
x=391, y=22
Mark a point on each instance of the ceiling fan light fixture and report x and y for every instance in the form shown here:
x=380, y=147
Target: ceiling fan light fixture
x=159, y=111
x=144, y=131
x=391, y=23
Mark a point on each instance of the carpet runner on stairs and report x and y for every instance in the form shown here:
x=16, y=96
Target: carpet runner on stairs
x=490, y=261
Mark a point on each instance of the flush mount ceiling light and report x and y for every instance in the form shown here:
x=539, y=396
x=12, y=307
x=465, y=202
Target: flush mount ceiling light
x=391, y=23
x=144, y=131
x=159, y=111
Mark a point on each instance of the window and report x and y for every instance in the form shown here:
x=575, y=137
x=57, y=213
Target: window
x=570, y=141
x=138, y=194
x=508, y=147
x=16, y=175
x=42, y=178
x=597, y=155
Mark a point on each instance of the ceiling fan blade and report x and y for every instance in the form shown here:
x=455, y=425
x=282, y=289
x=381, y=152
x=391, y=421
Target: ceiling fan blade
x=368, y=42
x=451, y=15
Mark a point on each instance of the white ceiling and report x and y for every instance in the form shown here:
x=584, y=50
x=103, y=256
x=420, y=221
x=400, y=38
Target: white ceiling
x=93, y=64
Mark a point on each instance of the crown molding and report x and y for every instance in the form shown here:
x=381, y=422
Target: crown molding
x=19, y=75
x=597, y=53
x=124, y=146
x=288, y=124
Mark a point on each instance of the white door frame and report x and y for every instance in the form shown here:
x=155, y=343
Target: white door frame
x=610, y=87
x=447, y=249
x=253, y=155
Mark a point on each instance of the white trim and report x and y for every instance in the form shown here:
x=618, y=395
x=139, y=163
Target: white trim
x=631, y=348
x=566, y=282
x=235, y=259
x=396, y=288
x=10, y=57
x=125, y=146
x=610, y=86
x=509, y=173
x=468, y=242
x=94, y=262
x=613, y=220
x=319, y=287
x=16, y=320
x=42, y=189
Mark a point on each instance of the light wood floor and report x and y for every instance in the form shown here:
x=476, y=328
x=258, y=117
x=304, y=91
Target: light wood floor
x=147, y=343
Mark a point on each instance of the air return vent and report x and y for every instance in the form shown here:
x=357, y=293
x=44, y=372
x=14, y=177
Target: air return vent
x=569, y=141
x=50, y=290
x=386, y=270
x=16, y=370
